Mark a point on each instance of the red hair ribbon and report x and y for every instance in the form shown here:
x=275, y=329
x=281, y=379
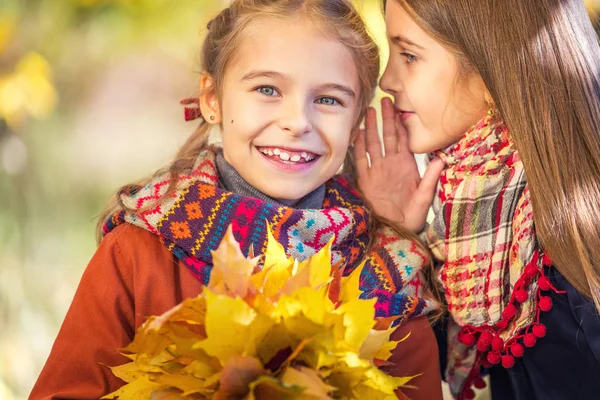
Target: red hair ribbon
x=192, y=112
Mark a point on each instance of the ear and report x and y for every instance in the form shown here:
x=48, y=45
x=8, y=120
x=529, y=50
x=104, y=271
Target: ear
x=209, y=100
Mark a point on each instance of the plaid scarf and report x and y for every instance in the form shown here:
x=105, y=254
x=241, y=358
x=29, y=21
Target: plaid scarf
x=492, y=266
x=192, y=222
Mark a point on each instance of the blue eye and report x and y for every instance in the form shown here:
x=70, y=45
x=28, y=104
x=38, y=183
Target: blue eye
x=268, y=90
x=410, y=58
x=328, y=101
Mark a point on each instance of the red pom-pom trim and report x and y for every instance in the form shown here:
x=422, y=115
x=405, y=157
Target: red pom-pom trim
x=479, y=383
x=502, y=324
x=509, y=312
x=544, y=283
x=531, y=271
x=485, y=340
x=546, y=260
x=468, y=393
x=545, y=303
x=486, y=364
x=493, y=357
x=521, y=295
x=508, y=361
x=467, y=339
x=497, y=343
x=517, y=350
x=539, y=331
x=529, y=340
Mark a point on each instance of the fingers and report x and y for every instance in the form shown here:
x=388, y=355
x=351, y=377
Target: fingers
x=372, y=136
x=429, y=181
x=360, y=153
x=390, y=134
x=402, y=135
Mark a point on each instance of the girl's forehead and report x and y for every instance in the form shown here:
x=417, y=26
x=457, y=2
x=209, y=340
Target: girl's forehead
x=294, y=48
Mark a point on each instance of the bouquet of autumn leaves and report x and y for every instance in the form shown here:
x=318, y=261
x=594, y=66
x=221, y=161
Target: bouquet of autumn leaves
x=291, y=330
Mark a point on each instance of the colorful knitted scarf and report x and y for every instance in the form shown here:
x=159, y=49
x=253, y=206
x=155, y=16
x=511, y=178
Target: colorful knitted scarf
x=193, y=221
x=492, y=274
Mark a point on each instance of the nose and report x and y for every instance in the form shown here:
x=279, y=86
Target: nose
x=296, y=118
x=390, y=81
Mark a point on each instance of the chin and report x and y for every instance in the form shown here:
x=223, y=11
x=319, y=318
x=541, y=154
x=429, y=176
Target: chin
x=290, y=193
x=420, y=149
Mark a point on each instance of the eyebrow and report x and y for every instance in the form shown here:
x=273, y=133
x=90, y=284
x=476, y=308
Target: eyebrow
x=264, y=74
x=278, y=75
x=400, y=39
x=344, y=89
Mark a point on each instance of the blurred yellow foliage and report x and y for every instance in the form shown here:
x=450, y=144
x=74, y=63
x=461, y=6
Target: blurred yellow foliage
x=28, y=90
x=7, y=28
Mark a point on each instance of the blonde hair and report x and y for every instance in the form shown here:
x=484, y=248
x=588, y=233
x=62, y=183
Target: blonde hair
x=540, y=62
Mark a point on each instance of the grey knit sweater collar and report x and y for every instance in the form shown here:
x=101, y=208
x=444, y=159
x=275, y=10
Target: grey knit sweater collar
x=232, y=181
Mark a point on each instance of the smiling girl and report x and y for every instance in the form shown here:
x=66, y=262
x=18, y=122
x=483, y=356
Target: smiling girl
x=286, y=82
x=507, y=94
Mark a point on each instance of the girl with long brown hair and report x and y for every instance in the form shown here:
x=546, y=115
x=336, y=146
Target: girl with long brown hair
x=286, y=82
x=507, y=94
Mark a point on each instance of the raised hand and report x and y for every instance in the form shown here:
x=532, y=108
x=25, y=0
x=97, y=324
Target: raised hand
x=391, y=183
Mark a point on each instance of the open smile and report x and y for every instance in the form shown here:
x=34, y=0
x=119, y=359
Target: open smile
x=287, y=158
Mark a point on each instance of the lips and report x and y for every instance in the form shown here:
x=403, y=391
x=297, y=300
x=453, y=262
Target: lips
x=287, y=155
x=404, y=115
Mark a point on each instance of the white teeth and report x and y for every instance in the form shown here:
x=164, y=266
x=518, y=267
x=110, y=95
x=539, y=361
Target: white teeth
x=286, y=157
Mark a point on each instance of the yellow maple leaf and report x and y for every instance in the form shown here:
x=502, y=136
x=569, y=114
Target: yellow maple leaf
x=231, y=270
x=232, y=327
x=277, y=269
x=319, y=265
x=350, y=285
x=358, y=320
x=141, y=388
x=377, y=345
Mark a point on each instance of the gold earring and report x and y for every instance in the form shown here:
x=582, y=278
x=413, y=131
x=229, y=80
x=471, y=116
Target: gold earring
x=491, y=112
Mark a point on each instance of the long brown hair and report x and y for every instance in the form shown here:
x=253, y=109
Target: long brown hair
x=540, y=62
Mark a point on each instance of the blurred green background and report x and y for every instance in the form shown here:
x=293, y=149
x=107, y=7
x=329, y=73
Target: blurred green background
x=89, y=101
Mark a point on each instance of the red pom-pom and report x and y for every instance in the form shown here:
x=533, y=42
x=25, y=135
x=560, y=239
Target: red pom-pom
x=502, y=324
x=467, y=339
x=497, y=343
x=509, y=312
x=546, y=260
x=531, y=271
x=479, y=383
x=493, y=357
x=508, y=361
x=521, y=295
x=529, y=340
x=517, y=350
x=468, y=393
x=545, y=303
x=539, y=331
x=544, y=283
x=485, y=340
